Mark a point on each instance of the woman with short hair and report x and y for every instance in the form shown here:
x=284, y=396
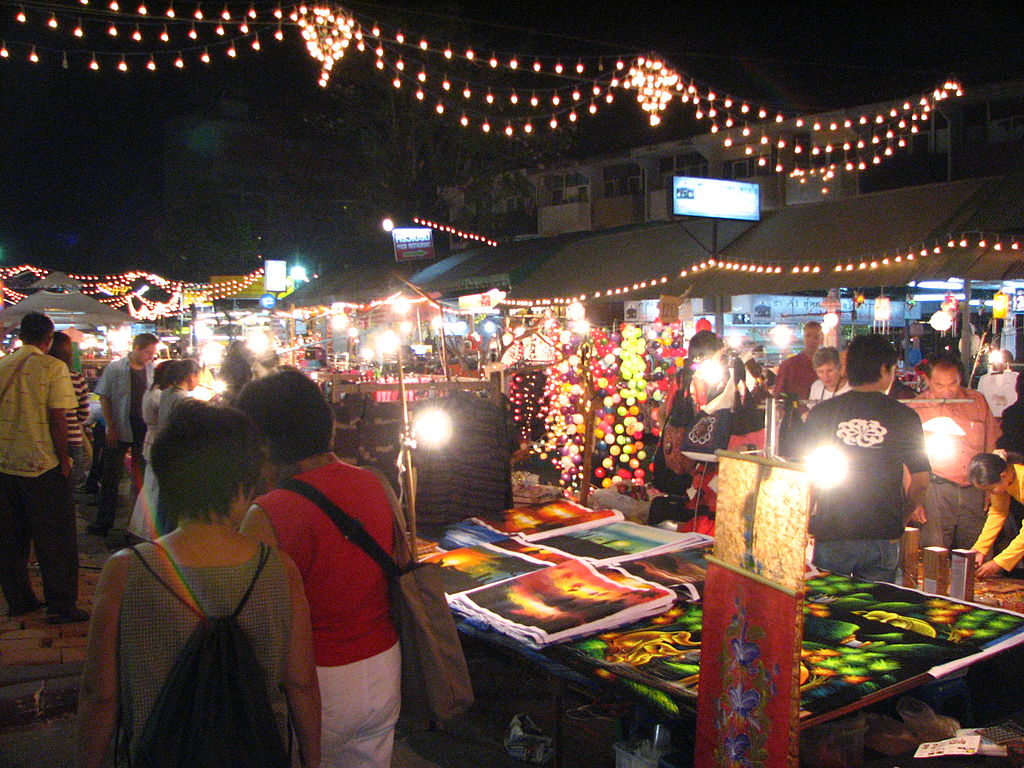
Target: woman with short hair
x=829, y=370
x=207, y=460
x=354, y=638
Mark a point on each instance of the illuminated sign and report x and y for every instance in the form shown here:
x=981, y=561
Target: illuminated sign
x=715, y=198
x=413, y=243
x=275, y=276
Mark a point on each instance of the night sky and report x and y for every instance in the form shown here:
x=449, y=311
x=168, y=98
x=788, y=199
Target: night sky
x=81, y=174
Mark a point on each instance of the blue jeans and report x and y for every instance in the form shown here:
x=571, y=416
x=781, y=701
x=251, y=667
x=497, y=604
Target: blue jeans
x=868, y=559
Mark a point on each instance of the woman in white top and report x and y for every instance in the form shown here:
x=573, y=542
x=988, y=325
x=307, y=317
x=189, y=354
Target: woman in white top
x=151, y=404
x=171, y=385
x=831, y=381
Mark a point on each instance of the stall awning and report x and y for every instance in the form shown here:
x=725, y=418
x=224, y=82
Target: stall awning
x=870, y=236
x=622, y=257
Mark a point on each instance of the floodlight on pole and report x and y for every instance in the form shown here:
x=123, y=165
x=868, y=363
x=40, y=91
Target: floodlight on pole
x=432, y=428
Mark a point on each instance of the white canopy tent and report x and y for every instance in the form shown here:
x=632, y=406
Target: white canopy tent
x=68, y=309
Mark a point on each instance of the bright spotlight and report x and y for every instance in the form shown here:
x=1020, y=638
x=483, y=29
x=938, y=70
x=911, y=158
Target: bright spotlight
x=432, y=427
x=940, y=447
x=711, y=371
x=388, y=342
x=941, y=438
x=781, y=335
x=258, y=343
x=339, y=322
x=212, y=354
x=489, y=327
x=575, y=311
x=734, y=340
x=827, y=465
x=298, y=274
x=387, y=224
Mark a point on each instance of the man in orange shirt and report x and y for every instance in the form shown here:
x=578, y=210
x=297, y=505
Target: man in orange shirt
x=954, y=434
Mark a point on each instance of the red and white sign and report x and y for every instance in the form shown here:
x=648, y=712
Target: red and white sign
x=413, y=243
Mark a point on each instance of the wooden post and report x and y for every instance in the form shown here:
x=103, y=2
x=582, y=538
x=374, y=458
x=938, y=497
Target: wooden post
x=936, y=570
x=910, y=555
x=589, y=415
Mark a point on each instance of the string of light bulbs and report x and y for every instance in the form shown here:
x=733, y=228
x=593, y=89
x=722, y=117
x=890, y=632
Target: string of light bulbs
x=330, y=29
x=985, y=241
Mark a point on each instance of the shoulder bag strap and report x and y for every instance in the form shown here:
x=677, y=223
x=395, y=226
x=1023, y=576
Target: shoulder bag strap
x=350, y=528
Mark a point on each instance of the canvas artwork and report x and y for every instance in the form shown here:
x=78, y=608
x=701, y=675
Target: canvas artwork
x=683, y=571
x=534, y=521
x=762, y=519
x=560, y=602
x=845, y=654
x=472, y=567
x=964, y=624
x=535, y=551
x=618, y=542
x=846, y=659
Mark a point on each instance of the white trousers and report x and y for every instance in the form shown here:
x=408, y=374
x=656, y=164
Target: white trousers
x=359, y=708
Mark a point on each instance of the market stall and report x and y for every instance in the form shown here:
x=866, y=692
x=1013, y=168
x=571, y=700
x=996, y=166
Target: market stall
x=560, y=583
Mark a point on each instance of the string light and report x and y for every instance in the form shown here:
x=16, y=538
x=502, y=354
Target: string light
x=982, y=241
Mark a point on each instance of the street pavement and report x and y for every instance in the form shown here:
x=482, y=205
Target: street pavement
x=40, y=666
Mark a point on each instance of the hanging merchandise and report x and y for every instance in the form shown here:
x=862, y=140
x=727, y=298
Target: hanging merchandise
x=883, y=313
x=1000, y=305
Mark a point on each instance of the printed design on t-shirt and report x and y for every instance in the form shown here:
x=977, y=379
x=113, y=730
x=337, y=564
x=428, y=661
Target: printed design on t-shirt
x=702, y=431
x=862, y=433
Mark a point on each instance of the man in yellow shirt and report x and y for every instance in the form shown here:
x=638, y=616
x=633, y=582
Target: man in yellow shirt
x=1003, y=482
x=35, y=496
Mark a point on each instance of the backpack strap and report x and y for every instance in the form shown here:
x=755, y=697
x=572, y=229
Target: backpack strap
x=264, y=555
x=196, y=610
x=350, y=528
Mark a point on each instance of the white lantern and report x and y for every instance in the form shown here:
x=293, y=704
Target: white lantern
x=941, y=321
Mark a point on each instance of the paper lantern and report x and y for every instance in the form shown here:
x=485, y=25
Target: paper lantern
x=941, y=321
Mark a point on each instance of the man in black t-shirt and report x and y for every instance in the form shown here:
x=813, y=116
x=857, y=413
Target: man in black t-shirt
x=857, y=523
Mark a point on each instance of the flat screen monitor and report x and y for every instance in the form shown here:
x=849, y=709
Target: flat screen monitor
x=715, y=198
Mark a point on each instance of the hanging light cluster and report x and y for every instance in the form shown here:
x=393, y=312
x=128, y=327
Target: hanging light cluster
x=619, y=430
x=529, y=407
x=328, y=32
x=564, y=393
x=655, y=83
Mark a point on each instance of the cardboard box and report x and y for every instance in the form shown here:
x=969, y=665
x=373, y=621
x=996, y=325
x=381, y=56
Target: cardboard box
x=936, y=570
x=961, y=574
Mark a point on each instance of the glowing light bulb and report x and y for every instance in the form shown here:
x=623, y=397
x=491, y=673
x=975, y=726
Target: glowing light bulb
x=827, y=466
